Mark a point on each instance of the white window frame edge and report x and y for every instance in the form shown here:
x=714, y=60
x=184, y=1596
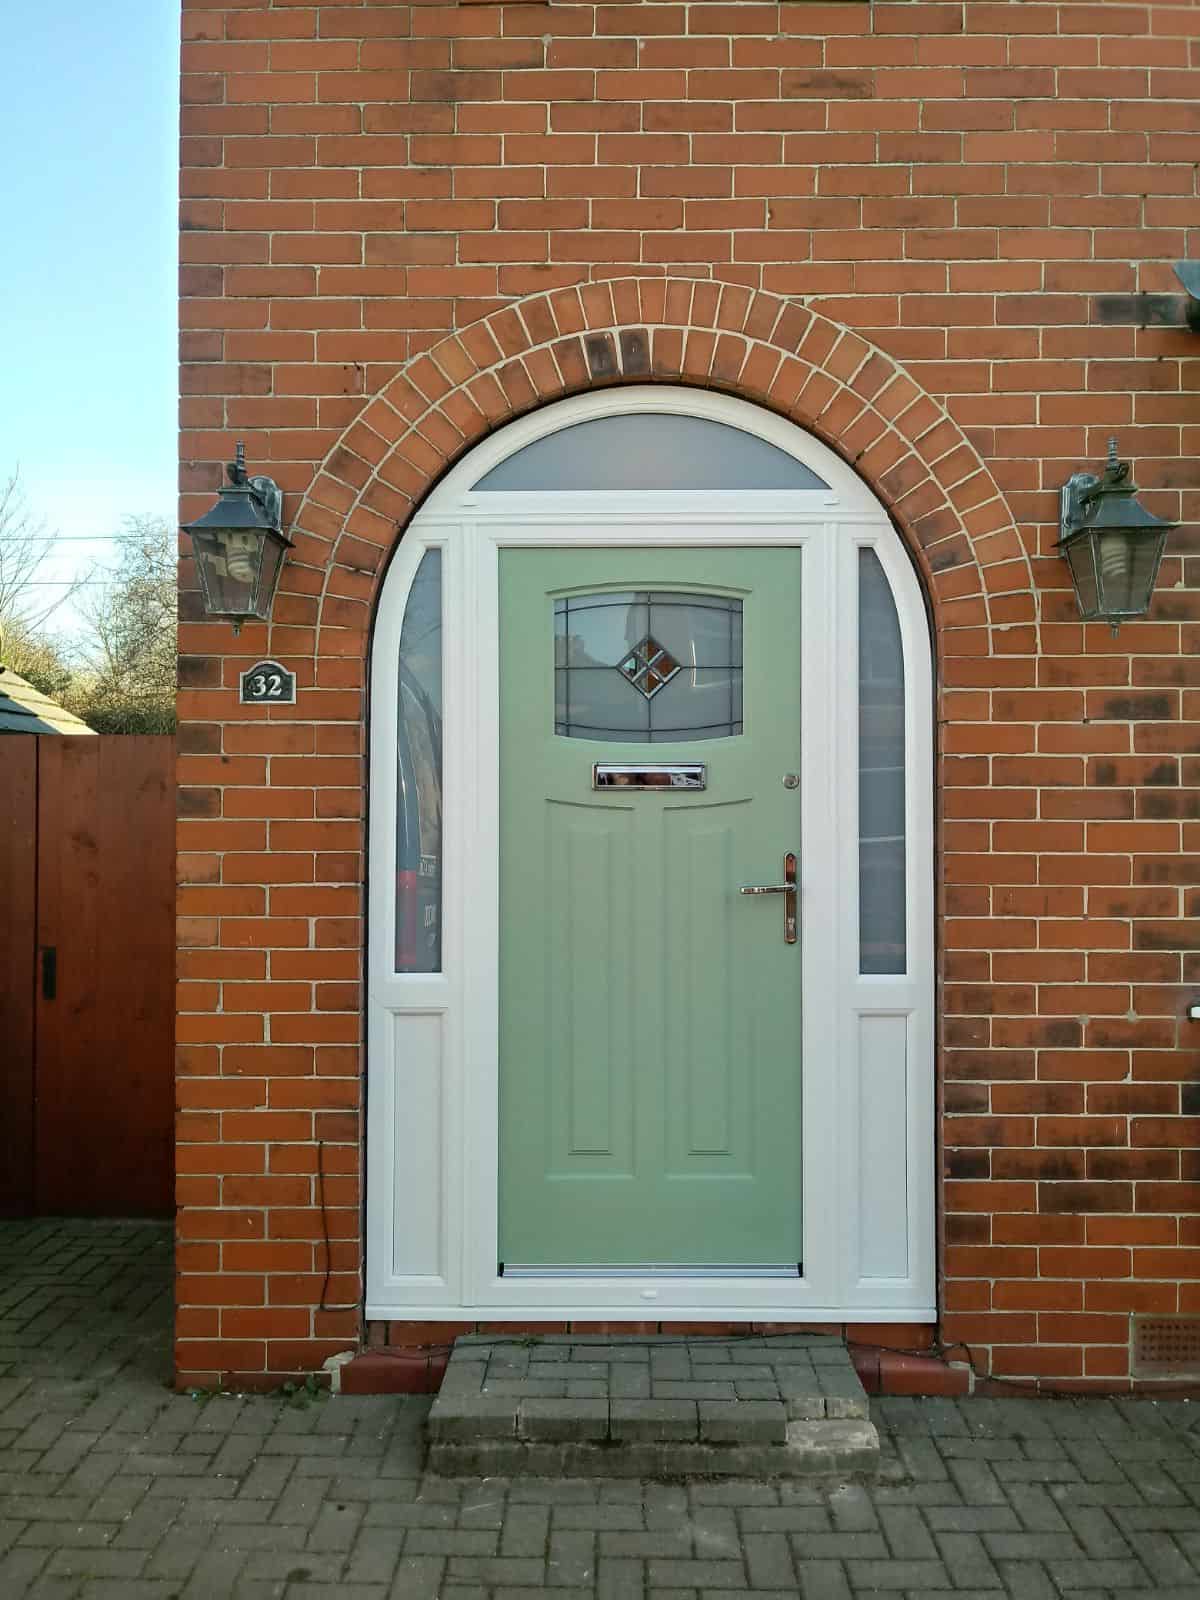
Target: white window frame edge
x=470, y=529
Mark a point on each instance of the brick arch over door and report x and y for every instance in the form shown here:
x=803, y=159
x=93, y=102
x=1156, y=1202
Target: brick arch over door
x=798, y=363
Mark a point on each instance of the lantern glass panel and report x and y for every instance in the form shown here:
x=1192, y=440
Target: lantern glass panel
x=1114, y=551
x=228, y=562
x=272, y=564
x=1147, y=553
x=1081, y=560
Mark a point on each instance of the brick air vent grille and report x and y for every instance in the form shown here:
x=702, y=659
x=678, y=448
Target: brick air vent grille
x=1166, y=1345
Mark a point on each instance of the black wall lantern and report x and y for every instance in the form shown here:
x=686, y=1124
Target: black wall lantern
x=239, y=545
x=1112, y=544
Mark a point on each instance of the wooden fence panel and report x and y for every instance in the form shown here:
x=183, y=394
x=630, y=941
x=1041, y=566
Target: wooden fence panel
x=106, y=905
x=18, y=883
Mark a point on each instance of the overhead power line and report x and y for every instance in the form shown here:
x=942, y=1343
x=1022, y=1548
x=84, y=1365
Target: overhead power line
x=87, y=538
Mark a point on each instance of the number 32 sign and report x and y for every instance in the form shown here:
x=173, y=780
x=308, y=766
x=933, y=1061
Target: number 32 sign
x=267, y=684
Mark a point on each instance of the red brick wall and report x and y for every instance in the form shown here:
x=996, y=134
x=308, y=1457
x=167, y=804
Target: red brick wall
x=897, y=218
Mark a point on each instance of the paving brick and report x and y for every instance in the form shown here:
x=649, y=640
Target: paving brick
x=699, y=1574
x=851, y=1508
x=525, y=1530
x=967, y=1561
x=619, y=1578
x=597, y=1517
x=785, y=1519
x=375, y=1556
x=1097, y=1533
x=451, y=1542
x=1027, y=1580
x=840, y=1546
x=743, y=1421
x=739, y=1494
x=660, y=1542
x=129, y=1589
x=1163, y=1559
x=291, y=1567
x=972, y=1519
x=872, y=1575
x=145, y=1527
x=571, y=1559
x=1099, y=1574
x=768, y=1559
x=823, y=1580
x=341, y=1590
x=423, y=1514
x=654, y=1419
x=563, y=1419
x=497, y=1570
x=61, y=1535
x=907, y=1534
x=477, y=1416
x=706, y=1371
x=976, y=1482
x=552, y=1492
x=335, y=1528
x=418, y=1578
x=96, y=1563
x=681, y=1389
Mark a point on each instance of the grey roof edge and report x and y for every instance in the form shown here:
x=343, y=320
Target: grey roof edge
x=24, y=709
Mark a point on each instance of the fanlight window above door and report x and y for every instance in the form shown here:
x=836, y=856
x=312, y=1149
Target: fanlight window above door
x=648, y=667
x=646, y=451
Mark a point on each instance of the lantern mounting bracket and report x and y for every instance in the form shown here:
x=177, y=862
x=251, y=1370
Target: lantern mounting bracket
x=262, y=489
x=1082, y=489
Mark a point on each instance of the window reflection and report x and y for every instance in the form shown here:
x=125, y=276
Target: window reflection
x=419, y=775
x=648, y=666
x=881, y=849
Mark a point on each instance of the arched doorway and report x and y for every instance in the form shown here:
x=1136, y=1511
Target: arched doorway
x=640, y=652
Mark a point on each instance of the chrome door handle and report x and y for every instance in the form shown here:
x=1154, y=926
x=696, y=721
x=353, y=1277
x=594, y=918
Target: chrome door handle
x=786, y=888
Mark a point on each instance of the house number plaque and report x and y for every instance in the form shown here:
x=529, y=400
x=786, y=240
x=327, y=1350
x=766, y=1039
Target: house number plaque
x=266, y=683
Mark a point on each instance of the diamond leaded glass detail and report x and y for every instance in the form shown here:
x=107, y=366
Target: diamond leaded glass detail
x=648, y=667
x=681, y=651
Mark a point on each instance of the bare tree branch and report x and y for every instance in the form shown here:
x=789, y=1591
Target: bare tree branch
x=127, y=649
x=25, y=547
x=117, y=671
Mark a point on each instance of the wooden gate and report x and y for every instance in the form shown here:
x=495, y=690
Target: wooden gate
x=87, y=968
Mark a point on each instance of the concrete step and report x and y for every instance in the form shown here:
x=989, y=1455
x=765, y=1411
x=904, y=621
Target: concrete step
x=583, y=1406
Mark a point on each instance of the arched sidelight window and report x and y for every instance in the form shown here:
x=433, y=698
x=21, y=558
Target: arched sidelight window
x=419, y=774
x=881, y=887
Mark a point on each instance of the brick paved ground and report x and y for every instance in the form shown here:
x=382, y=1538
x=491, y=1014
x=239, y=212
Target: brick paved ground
x=112, y=1488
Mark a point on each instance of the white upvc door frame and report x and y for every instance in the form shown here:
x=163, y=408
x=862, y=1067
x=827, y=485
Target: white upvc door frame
x=432, y=1039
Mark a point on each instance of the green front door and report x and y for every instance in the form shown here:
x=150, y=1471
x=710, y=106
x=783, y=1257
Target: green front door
x=649, y=1011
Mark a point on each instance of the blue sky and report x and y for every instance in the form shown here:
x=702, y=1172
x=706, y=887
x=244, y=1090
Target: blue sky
x=88, y=127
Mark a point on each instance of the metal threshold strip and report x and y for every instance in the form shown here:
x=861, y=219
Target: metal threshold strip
x=648, y=1269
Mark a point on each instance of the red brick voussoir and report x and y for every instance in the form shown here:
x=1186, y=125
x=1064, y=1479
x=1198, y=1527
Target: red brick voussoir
x=798, y=363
